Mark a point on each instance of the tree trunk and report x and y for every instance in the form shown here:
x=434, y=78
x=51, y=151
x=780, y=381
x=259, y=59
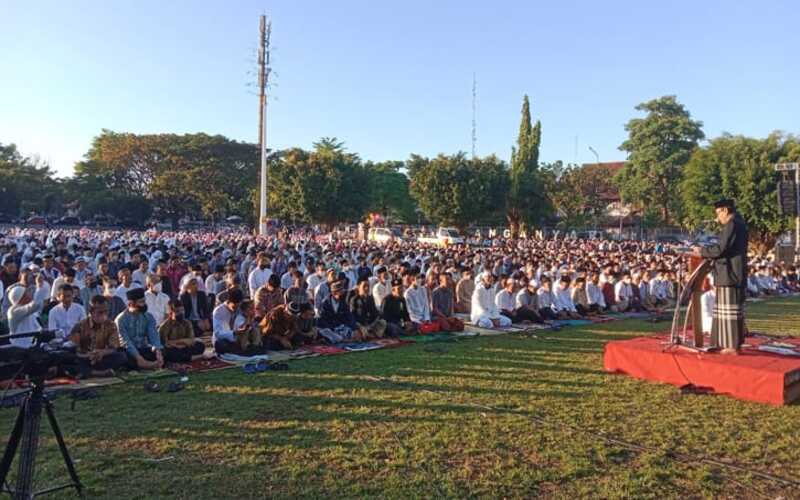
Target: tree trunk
x=514, y=224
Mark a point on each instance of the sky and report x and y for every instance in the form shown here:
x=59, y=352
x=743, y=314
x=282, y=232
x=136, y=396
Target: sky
x=391, y=78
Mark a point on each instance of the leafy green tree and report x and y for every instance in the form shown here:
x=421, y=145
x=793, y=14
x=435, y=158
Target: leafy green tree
x=192, y=174
x=26, y=184
x=389, y=193
x=526, y=203
x=326, y=185
x=455, y=190
x=658, y=147
x=740, y=168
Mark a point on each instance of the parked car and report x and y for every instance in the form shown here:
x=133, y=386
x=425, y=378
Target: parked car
x=384, y=234
x=444, y=236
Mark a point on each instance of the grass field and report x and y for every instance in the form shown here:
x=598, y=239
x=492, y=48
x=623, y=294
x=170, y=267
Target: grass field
x=489, y=417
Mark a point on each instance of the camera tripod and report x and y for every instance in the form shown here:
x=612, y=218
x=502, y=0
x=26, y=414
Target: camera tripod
x=26, y=429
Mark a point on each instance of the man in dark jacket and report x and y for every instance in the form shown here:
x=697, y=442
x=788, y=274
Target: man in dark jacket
x=729, y=269
x=366, y=314
x=336, y=321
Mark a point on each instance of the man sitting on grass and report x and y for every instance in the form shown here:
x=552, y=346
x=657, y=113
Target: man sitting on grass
x=64, y=316
x=276, y=328
x=417, y=299
x=562, y=300
x=484, y=311
x=395, y=312
x=97, y=342
x=177, y=336
x=506, y=302
x=336, y=321
x=365, y=312
x=304, y=327
x=443, y=305
x=137, y=329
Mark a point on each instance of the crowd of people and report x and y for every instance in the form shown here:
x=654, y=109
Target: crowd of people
x=140, y=300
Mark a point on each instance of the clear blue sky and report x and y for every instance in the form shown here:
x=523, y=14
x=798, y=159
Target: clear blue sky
x=392, y=78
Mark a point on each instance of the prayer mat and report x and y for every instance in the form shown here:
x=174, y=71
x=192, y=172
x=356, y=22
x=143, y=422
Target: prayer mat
x=326, y=350
x=359, y=346
x=240, y=360
x=571, y=322
x=301, y=353
x=136, y=375
x=200, y=365
x=392, y=343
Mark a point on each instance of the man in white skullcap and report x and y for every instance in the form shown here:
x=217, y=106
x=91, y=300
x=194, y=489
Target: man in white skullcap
x=484, y=311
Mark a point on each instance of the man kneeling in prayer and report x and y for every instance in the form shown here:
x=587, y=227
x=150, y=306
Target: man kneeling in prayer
x=177, y=336
x=97, y=342
x=277, y=328
x=484, y=311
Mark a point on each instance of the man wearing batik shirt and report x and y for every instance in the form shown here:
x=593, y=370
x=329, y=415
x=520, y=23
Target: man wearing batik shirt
x=177, y=336
x=97, y=342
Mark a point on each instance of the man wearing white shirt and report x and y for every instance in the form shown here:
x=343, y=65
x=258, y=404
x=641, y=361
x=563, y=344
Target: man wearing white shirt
x=139, y=276
x=382, y=287
x=350, y=274
x=483, y=309
x=545, y=299
x=314, y=279
x=215, y=282
x=157, y=301
x=260, y=275
x=416, y=296
x=224, y=322
x=287, y=280
x=126, y=284
x=594, y=294
x=23, y=313
x=623, y=293
x=66, y=278
x=562, y=300
x=64, y=316
x=506, y=302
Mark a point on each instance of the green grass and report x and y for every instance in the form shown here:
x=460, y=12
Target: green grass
x=489, y=417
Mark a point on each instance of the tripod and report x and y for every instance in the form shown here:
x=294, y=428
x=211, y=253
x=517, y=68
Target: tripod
x=26, y=429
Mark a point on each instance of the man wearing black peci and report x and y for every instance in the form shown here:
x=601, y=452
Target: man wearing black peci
x=729, y=256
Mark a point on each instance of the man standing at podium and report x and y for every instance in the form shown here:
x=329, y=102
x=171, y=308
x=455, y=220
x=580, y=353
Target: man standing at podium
x=729, y=256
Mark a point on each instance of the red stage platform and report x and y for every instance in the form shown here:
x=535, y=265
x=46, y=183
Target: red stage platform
x=752, y=375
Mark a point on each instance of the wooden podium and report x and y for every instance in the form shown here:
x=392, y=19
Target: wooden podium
x=695, y=303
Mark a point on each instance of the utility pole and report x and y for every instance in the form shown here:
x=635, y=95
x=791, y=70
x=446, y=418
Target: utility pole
x=265, y=30
x=474, y=114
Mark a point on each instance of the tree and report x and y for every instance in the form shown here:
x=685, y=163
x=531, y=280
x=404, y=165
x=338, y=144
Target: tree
x=181, y=175
x=740, y=168
x=658, y=147
x=526, y=203
x=454, y=190
x=326, y=185
x=26, y=184
x=389, y=193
